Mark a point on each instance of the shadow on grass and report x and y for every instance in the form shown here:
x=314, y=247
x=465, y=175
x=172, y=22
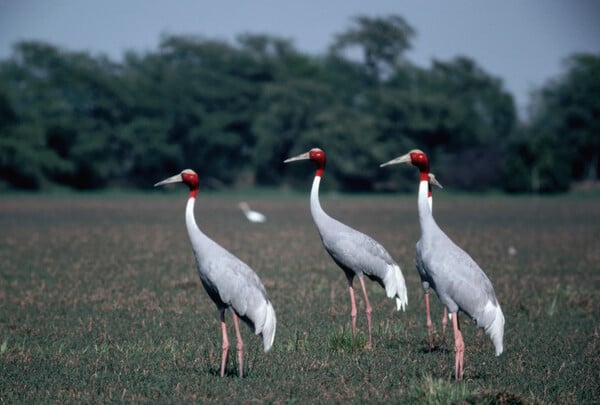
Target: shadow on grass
x=441, y=344
x=230, y=372
x=435, y=349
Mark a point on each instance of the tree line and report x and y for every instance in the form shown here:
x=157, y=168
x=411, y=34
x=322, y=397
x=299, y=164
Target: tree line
x=235, y=111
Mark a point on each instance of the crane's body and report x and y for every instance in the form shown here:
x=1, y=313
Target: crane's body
x=458, y=281
x=229, y=282
x=357, y=254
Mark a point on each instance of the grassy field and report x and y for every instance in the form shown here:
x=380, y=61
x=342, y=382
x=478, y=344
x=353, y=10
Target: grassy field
x=100, y=302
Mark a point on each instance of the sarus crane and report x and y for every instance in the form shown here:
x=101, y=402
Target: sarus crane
x=357, y=254
x=229, y=282
x=458, y=281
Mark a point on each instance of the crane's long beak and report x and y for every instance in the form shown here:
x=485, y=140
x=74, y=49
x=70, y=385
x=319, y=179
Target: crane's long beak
x=304, y=156
x=174, y=179
x=433, y=180
x=402, y=159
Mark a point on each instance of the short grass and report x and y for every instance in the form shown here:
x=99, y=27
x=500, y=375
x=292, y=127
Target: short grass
x=100, y=302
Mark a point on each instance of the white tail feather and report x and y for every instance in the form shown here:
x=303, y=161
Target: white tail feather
x=493, y=323
x=268, y=328
x=395, y=286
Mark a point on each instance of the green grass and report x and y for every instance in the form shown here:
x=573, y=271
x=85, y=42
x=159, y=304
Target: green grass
x=100, y=302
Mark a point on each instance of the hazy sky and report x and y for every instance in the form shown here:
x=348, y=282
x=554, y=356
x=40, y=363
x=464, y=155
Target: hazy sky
x=521, y=41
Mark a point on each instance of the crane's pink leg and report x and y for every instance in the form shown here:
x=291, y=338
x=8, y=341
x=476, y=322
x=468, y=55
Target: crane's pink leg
x=240, y=344
x=459, y=348
x=353, y=307
x=225, y=346
x=428, y=311
x=368, y=309
x=444, y=321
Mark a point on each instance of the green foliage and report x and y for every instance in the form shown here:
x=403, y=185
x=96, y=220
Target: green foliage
x=561, y=144
x=234, y=112
x=432, y=391
x=569, y=108
x=344, y=341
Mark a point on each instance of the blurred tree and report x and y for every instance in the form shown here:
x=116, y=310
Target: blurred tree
x=26, y=161
x=211, y=90
x=383, y=41
x=348, y=137
x=236, y=111
x=456, y=111
x=570, y=107
x=287, y=112
x=561, y=142
x=535, y=162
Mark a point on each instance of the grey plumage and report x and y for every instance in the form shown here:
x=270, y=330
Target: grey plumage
x=358, y=254
x=458, y=281
x=231, y=283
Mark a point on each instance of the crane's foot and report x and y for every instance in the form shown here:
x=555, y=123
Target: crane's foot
x=368, y=312
x=224, y=359
x=459, y=349
x=429, y=323
x=240, y=345
x=429, y=339
x=225, y=346
x=444, y=321
x=459, y=362
x=353, y=310
x=240, y=354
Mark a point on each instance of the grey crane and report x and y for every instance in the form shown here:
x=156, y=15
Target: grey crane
x=455, y=277
x=356, y=253
x=229, y=282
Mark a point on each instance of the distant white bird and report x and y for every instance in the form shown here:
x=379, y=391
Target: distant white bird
x=229, y=282
x=458, y=281
x=356, y=253
x=251, y=215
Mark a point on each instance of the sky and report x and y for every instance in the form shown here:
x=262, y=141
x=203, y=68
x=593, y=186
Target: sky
x=522, y=42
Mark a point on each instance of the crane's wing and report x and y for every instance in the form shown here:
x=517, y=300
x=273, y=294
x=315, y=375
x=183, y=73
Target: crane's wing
x=358, y=252
x=235, y=282
x=461, y=284
x=239, y=287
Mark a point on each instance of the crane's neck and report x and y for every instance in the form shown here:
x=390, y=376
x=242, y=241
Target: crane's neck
x=315, y=205
x=195, y=234
x=424, y=201
x=430, y=197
